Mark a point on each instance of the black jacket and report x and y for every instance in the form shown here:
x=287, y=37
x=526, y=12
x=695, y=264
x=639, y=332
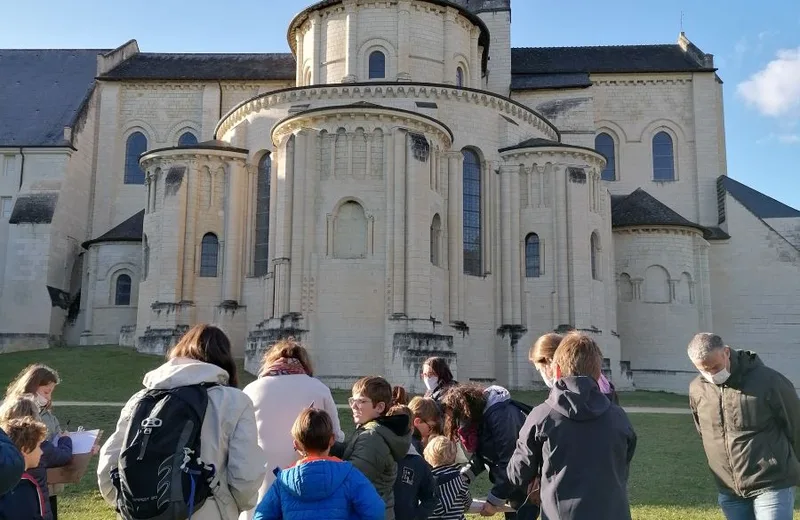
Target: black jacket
x=750, y=427
x=583, y=445
x=11, y=464
x=53, y=456
x=24, y=502
x=415, y=495
x=438, y=393
x=497, y=437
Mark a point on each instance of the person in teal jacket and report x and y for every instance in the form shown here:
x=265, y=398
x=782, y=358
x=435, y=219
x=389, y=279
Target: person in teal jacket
x=318, y=485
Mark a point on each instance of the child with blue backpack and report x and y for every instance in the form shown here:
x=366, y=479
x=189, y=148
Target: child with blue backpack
x=318, y=485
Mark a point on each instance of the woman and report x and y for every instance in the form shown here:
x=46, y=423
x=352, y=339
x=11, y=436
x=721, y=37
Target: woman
x=487, y=423
x=437, y=377
x=38, y=382
x=285, y=387
x=229, y=439
x=541, y=356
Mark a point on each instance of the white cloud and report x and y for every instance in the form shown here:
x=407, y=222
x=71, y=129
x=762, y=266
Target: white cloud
x=775, y=90
x=789, y=138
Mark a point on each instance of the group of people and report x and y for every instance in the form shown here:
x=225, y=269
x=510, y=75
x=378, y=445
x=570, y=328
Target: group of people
x=192, y=445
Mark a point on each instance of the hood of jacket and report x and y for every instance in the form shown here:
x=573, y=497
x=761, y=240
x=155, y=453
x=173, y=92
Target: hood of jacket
x=184, y=372
x=742, y=362
x=315, y=480
x=494, y=395
x=394, y=429
x=578, y=398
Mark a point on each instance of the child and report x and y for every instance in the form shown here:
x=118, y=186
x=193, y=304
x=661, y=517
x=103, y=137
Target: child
x=415, y=495
x=26, y=501
x=427, y=420
x=379, y=442
x=39, y=381
x=581, y=441
x=319, y=485
x=452, y=485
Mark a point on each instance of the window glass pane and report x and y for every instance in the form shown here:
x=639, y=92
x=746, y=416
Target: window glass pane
x=135, y=146
x=663, y=157
x=261, y=256
x=377, y=65
x=532, y=256
x=187, y=139
x=459, y=77
x=473, y=246
x=122, y=294
x=604, y=144
x=209, y=252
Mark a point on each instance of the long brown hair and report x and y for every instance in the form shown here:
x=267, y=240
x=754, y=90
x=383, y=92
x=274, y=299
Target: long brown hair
x=20, y=406
x=439, y=367
x=30, y=379
x=287, y=349
x=544, y=348
x=399, y=396
x=462, y=404
x=208, y=344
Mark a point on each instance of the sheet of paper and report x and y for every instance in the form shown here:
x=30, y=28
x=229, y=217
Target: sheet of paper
x=82, y=442
x=478, y=504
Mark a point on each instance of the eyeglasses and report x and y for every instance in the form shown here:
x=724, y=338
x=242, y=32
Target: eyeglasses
x=357, y=402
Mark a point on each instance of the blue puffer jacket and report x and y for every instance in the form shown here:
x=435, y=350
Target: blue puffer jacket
x=321, y=488
x=11, y=464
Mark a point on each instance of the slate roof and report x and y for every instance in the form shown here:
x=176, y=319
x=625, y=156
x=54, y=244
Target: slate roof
x=538, y=142
x=480, y=6
x=602, y=59
x=209, y=67
x=550, y=81
x=41, y=92
x=213, y=144
x=642, y=209
x=130, y=230
x=760, y=205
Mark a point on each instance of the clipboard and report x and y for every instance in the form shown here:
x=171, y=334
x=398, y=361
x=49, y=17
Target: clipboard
x=73, y=472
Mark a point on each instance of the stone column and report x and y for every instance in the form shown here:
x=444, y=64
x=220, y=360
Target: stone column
x=351, y=53
x=455, y=231
x=474, y=60
x=283, y=243
x=449, y=73
x=299, y=79
x=316, y=26
x=515, y=247
x=399, y=139
x=303, y=141
x=234, y=243
x=505, y=243
x=561, y=253
x=404, y=40
x=418, y=215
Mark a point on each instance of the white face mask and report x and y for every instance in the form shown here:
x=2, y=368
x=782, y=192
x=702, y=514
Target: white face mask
x=430, y=382
x=41, y=401
x=719, y=378
x=549, y=382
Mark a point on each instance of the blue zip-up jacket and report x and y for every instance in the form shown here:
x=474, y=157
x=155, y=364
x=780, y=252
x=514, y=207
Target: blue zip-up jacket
x=415, y=495
x=11, y=464
x=321, y=488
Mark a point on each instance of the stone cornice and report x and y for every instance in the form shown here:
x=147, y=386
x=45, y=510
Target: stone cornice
x=372, y=91
x=377, y=116
x=163, y=85
x=586, y=155
x=176, y=155
x=658, y=230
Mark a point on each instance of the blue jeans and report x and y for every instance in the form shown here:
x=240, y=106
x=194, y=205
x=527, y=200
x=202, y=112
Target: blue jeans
x=770, y=505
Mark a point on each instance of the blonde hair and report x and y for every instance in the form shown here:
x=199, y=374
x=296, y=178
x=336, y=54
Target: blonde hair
x=287, y=349
x=440, y=451
x=30, y=379
x=425, y=409
x=18, y=407
x=543, y=350
x=579, y=355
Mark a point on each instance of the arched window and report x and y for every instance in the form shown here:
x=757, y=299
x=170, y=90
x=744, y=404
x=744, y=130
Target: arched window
x=377, y=65
x=261, y=253
x=350, y=232
x=604, y=144
x=209, y=255
x=122, y=290
x=436, y=240
x=473, y=241
x=187, y=139
x=533, y=258
x=459, y=77
x=625, y=288
x=134, y=147
x=663, y=157
x=595, y=245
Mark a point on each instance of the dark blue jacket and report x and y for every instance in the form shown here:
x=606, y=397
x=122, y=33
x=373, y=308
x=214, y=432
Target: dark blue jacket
x=24, y=502
x=415, y=495
x=53, y=456
x=321, y=488
x=11, y=464
x=583, y=445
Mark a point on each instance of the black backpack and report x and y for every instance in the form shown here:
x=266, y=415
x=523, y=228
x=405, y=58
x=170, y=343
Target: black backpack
x=160, y=475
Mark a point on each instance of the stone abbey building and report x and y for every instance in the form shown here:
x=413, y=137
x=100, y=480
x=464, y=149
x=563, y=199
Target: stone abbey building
x=403, y=183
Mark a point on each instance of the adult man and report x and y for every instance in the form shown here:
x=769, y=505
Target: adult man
x=748, y=416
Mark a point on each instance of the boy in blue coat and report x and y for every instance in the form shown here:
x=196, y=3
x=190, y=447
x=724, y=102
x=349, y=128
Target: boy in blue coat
x=26, y=501
x=319, y=486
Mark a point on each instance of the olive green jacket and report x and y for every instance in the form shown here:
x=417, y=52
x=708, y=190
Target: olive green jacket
x=750, y=427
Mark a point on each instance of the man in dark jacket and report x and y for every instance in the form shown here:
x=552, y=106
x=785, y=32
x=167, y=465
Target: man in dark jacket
x=748, y=416
x=11, y=464
x=578, y=440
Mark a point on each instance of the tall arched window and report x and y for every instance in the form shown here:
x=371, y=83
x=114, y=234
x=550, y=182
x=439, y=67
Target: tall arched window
x=604, y=144
x=209, y=255
x=122, y=290
x=459, y=77
x=663, y=157
x=436, y=240
x=261, y=253
x=377, y=65
x=533, y=258
x=187, y=139
x=135, y=146
x=473, y=240
x=595, y=246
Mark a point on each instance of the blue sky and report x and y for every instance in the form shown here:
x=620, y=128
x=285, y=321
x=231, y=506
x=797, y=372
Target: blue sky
x=756, y=47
